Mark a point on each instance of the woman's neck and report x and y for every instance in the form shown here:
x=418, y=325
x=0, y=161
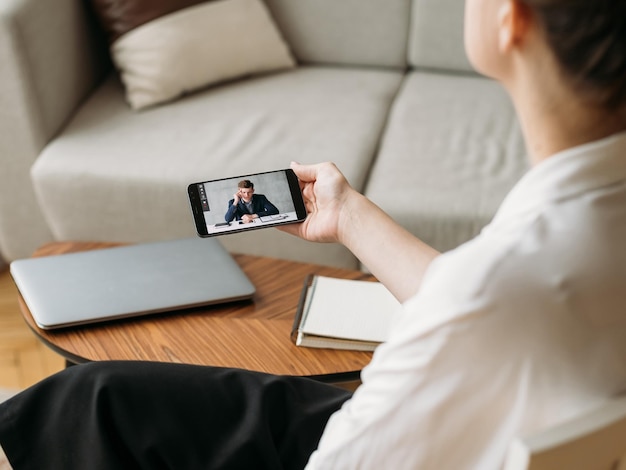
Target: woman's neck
x=550, y=131
x=554, y=117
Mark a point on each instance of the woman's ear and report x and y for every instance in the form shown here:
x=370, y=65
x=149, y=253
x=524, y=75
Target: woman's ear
x=514, y=20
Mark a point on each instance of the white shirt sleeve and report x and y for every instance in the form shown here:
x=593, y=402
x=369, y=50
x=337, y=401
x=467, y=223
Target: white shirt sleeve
x=422, y=407
x=469, y=367
x=518, y=329
x=426, y=396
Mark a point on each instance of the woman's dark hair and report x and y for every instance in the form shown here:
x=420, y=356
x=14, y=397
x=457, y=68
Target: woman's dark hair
x=588, y=38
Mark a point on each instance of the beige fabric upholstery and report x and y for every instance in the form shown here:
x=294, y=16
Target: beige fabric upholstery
x=451, y=152
x=196, y=47
x=118, y=175
x=48, y=65
x=436, y=37
x=349, y=32
x=107, y=173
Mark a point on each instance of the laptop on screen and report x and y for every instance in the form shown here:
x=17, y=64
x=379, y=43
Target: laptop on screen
x=93, y=286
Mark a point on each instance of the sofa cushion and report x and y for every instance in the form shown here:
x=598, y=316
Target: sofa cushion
x=113, y=174
x=346, y=32
x=451, y=152
x=117, y=17
x=436, y=35
x=196, y=47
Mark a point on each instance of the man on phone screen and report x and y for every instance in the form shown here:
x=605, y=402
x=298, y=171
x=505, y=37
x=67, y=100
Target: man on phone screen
x=247, y=206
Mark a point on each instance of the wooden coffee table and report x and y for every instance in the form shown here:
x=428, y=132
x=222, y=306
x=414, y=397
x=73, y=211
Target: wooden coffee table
x=252, y=335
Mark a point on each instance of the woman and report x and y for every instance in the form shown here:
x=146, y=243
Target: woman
x=521, y=328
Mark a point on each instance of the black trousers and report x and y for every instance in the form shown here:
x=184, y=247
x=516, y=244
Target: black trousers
x=141, y=415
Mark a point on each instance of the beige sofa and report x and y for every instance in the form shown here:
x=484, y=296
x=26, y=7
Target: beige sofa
x=382, y=88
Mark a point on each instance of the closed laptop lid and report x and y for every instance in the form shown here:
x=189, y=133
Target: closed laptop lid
x=92, y=286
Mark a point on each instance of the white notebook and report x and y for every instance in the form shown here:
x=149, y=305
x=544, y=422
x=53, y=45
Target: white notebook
x=344, y=314
x=93, y=286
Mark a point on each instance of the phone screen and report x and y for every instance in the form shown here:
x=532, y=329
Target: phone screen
x=246, y=202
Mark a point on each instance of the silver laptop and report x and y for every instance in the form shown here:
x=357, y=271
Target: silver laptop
x=93, y=286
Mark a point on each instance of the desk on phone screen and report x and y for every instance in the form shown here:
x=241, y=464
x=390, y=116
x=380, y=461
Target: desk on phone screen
x=265, y=220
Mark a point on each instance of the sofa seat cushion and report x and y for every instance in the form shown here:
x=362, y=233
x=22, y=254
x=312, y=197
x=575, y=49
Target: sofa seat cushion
x=450, y=153
x=114, y=174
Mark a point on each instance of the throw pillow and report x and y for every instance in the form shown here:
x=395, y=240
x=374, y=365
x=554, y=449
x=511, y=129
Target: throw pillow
x=163, y=57
x=118, y=17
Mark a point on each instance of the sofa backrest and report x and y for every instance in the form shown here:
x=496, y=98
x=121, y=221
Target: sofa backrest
x=345, y=32
x=436, y=36
x=384, y=33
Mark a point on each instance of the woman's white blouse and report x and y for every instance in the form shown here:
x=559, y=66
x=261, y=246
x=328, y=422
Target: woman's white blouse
x=516, y=330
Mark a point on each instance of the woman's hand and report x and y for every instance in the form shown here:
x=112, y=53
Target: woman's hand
x=339, y=213
x=326, y=193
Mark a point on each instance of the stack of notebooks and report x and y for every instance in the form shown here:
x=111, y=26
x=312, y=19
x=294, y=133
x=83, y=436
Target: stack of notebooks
x=343, y=314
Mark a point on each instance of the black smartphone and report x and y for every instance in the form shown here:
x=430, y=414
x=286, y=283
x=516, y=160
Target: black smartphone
x=246, y=202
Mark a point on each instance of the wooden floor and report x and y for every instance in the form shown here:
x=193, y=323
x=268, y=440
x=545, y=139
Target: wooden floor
x=24, y=360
